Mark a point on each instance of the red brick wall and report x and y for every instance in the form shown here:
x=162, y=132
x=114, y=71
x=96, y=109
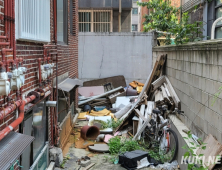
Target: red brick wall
x=31, y=51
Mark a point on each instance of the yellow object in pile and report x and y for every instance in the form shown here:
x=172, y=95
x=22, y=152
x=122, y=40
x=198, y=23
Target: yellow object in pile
x=137, y=85
x=103, y=112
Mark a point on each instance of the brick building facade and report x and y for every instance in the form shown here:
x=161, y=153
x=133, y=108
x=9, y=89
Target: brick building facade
x=30, y=51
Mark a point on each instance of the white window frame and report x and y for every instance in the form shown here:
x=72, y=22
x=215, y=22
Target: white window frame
x=92, y=18
x=32, y=20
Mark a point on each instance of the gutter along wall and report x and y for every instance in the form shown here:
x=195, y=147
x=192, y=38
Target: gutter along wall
x=110, y=54
x=195, y=72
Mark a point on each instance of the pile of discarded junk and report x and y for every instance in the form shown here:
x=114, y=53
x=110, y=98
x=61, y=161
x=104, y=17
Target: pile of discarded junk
x=109, y=109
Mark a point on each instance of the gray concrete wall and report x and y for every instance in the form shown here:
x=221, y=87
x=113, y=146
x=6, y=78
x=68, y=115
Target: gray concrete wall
x=195, y=72
x=111, y=54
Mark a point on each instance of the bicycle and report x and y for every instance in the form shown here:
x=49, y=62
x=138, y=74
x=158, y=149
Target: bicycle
x=159, y=135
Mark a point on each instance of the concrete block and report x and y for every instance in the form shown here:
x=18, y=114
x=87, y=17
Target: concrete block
x=214, y=72
x=199, y=69
x=215, y=132
x=203, y=83
x=209, y=57
x=178, y=74
x=198, y=127
x=215, y=57
x=202, y=55
x=186, y=88
x=193, y=68
x=213, y=118
x=204, y=98
x=179, y=55
x=219, y=57
x=196, y=81
x=179, y=65
x=220, y=73
x=209, y=88
x=187, y=66
x=206, y=71
x=186, y=56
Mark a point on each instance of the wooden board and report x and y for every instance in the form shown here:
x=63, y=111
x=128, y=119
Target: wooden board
x=213, y=148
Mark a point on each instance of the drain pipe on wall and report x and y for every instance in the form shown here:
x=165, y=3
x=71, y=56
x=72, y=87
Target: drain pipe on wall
x=213, y=27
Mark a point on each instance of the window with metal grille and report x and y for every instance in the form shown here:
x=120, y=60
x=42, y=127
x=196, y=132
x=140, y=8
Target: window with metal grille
x=33, y=20
x=135, y=11
x=134, y=27
x=95, y=21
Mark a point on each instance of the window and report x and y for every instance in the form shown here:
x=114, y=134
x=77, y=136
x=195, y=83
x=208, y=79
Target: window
x=95, y=21
x=135, y=11
x=218, y=14
x=135, y=0
x=134, y=27
x=62, y=21
x=32, y=20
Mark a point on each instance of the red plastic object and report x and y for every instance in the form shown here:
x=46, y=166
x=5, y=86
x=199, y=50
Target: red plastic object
x=89, y=132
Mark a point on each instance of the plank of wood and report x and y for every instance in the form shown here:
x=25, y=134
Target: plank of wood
x=89, y=166
x=213, y=148
x=142, y=110
x=158, y=82
x=173, y=94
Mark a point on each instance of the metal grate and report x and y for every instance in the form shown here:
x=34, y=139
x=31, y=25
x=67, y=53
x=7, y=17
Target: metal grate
x=11, y=147
x=33, y=20
x=95, y=20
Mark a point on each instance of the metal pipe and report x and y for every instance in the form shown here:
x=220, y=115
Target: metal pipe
x=20, y=104
x=213, y=28
x=47, y=46
x=4, y=43
x=6, y=13
x=8, y=63
x=13, y=30
x=3, y=37
x=55, y=19
x=40, y=78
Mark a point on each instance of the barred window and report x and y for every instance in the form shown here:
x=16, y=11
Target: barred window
x=95, y=20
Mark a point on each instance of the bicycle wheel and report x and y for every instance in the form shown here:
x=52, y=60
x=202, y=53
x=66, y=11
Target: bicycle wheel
x=168, y=146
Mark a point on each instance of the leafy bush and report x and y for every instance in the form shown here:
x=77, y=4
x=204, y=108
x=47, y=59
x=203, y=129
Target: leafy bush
x=118, y=145
x=163, y=17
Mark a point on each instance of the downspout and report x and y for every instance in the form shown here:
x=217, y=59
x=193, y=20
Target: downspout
x=55, y=20
x=40, y=78
x=213, y=28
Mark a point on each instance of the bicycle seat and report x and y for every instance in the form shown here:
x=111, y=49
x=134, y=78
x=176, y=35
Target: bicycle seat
x=156, y=111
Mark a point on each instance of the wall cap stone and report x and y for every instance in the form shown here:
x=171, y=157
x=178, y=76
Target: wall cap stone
x=200, y=45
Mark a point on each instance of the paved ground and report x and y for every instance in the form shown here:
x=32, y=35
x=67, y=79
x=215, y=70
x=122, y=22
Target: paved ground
x=102, y=161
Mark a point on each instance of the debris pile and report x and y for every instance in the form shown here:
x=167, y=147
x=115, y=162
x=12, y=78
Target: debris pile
x=131, y=120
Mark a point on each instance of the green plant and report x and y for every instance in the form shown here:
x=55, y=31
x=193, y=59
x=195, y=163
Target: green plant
x=163, y=17
x=110, y=123
x=191, y=152
x=187, y=32
x=114, y=145
x=119, y=145
x=65, y=159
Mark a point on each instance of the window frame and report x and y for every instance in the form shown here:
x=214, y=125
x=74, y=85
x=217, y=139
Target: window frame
x=29, y=27
x=137, y=11
x=65, y=23
x=136, y=27
x=215, y=9
x=92, y=22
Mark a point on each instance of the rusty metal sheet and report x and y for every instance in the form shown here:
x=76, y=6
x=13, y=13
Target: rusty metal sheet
x=68, y=84
x=11, y=147
x=109, y=83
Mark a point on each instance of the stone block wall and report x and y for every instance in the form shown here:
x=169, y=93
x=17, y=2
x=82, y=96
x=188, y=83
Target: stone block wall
x=195, y=71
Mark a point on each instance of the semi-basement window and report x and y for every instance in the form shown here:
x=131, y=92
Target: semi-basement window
x=32, y=20
x=95, y=20
x=135, y=11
